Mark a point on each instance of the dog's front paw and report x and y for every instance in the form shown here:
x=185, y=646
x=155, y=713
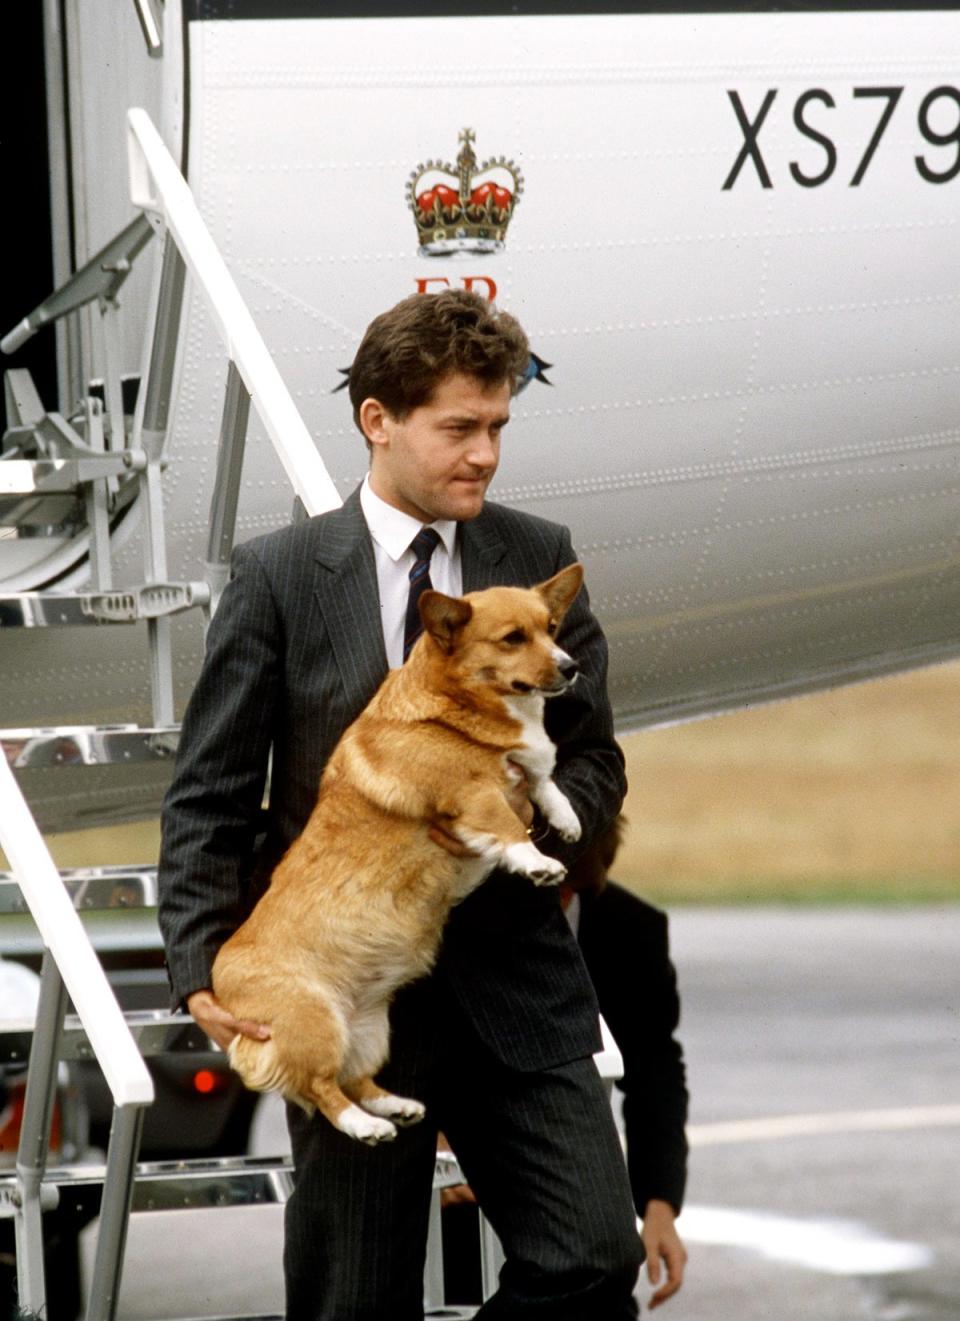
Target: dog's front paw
x=566, y=822
x=529, y=861
x=555, y=806
x=551, y=873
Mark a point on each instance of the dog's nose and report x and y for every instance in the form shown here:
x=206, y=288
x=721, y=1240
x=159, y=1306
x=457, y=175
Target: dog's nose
x=568, y=667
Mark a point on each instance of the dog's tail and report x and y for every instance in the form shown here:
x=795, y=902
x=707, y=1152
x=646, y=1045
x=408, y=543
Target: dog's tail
x=261, y=1069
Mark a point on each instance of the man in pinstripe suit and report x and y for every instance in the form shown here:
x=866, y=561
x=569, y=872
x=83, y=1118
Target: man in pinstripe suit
x=498, y=1040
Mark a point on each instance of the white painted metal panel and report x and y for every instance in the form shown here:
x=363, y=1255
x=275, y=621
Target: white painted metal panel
x=752, y=427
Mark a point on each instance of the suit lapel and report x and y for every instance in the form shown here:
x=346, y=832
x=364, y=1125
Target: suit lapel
x=484, y=555
x=349, y=599
x=347, y=593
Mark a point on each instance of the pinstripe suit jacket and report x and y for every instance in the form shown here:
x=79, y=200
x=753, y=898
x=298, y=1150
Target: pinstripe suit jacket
x=294, y=653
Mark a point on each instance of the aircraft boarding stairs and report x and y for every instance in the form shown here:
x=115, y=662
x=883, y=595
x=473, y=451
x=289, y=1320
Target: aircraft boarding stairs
x=121, y=1187
x=89, y=468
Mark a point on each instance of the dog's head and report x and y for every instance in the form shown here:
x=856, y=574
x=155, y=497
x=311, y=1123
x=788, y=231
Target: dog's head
x=504, y=638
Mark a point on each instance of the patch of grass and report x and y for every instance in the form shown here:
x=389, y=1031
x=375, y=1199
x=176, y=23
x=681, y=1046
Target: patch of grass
x=820, y=891
x=840, y=797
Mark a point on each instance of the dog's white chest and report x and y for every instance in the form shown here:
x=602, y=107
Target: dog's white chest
x=537, y=754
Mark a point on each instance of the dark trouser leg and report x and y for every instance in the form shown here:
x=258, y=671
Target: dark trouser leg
x=356, y=1225
x=541, y=1152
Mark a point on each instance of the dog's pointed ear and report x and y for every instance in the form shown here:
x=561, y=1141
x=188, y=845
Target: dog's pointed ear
x=559, y=591
x=443, y=617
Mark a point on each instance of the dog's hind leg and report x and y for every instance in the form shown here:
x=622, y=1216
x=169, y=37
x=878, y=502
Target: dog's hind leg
x=369, y=1033
x=312, y=1041
x=344, y=1114
x=402, y=1110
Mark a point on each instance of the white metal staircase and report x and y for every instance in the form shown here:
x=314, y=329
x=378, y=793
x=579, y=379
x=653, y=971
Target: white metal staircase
x=58, y=473
x=152, y=1186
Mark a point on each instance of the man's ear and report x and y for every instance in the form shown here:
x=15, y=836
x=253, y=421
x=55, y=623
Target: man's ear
x=559, y=591
x=374, y=421
x=443, y=617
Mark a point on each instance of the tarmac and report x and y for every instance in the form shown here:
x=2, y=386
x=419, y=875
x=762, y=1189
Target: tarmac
x=823, y=1055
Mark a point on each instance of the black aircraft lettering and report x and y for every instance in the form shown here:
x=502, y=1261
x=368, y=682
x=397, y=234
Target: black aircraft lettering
x=938, y=139
x=750, y=133
x=808, y=180
x=893, y=96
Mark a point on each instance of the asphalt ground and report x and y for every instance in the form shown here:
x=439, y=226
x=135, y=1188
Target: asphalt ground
x=823, y=1052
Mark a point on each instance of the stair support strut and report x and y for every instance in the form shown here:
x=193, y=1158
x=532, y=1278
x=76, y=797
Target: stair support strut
x=35, y=1137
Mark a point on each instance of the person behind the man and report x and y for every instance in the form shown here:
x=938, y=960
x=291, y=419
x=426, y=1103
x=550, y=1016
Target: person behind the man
x=625, y=944
x=498, y=1039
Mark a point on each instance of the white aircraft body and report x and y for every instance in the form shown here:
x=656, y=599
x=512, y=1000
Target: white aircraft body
x=731, y=239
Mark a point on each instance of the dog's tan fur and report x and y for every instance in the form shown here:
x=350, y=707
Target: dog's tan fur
x=356, y=907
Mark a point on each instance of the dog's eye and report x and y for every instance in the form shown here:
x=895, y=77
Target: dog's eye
x=515, y=638
x=552, y=628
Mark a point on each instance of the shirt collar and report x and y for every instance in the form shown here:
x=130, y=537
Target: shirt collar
x=393, y=530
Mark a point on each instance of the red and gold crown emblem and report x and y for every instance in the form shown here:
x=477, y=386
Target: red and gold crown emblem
x=473, y=214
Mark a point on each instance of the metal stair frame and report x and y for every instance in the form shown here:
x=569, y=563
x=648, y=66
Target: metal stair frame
x=166, y=207
x=159, y=189
x=96, y=460
x=69, y=965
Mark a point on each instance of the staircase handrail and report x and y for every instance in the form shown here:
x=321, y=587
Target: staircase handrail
x=159, y=189
x=63, y=935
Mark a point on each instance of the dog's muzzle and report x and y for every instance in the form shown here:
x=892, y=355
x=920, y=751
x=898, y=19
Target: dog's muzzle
x=569, y=669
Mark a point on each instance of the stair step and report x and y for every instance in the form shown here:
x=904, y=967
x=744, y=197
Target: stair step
x=91, y=889
x=88, y=745
x=168, y=1185
x=39, y=477
x=122, y=606
x=188, y=1184
x=156, y=1032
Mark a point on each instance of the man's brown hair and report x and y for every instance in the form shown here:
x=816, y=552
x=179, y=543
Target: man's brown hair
x=410, y=349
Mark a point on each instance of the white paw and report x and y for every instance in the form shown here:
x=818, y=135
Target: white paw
x=556, y=808
x=565, y=820
x=403, y=1110
x=529, y=861
x=356, y=1123
x=551, y=873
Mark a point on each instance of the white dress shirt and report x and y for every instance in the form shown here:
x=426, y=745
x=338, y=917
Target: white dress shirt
x=392, y=532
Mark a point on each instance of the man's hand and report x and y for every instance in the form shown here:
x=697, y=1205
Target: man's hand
x=221, y=1027
x=663, y=1244
x=516, y=796
x=457, y=1193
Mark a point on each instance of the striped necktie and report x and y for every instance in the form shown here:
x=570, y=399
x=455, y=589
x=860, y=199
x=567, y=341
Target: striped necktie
x=423, y=545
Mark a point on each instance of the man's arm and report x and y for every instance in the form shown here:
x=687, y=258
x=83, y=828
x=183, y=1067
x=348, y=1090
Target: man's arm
x=590, y=767
x=212, y=810
x=625, y=944
x=654, y=1083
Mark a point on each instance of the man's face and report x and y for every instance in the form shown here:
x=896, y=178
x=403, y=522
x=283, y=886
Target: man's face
x=439, y=460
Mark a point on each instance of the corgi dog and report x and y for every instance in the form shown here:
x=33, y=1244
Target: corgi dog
x=356, y=907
